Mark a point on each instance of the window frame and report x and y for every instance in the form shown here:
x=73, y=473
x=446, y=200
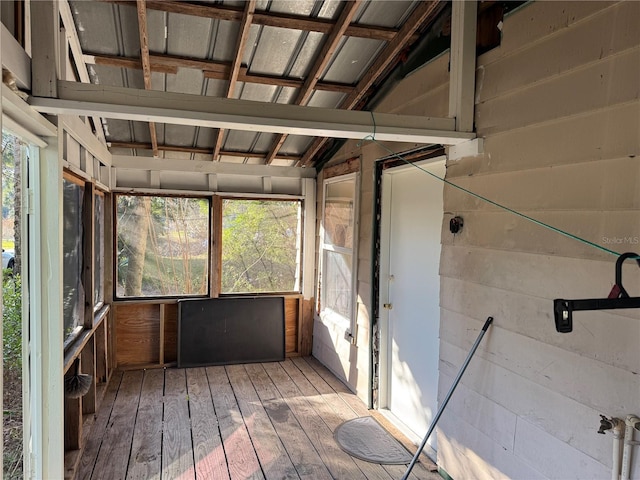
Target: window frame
x=327, y=314
x=210, y=249
x=99, y=303
x=70, y=340
x=219, y=214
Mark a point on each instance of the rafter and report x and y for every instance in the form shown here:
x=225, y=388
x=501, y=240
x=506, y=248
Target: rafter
x=211, y=69
x=76, y=50
x=320, y=64
x=243, y=34
x=199, y=150
x=146, y=64
x=425, y=12
x=234, y=14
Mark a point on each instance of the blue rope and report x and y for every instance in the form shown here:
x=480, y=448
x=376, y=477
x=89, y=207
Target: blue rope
x=491, y=202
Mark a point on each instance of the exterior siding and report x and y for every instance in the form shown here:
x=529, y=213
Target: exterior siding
x=558, y=105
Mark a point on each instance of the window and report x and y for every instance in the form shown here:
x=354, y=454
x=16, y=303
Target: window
x=15, y=313
x=98, y=250
x=261, y=246
x=337, y=256
x=73, y=291
x=162, y=246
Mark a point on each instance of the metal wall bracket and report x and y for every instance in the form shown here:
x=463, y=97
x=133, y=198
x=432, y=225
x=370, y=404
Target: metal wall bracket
x=618, y=298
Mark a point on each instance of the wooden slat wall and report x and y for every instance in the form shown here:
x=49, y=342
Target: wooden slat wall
x=138, y=336
x=291, y=311
x=171, y=333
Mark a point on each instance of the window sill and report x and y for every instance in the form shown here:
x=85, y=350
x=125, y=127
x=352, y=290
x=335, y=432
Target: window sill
x=329, y=317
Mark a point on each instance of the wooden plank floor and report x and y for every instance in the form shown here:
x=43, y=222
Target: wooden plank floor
x=257, y=421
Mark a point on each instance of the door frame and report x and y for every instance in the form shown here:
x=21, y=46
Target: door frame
x=380, y=333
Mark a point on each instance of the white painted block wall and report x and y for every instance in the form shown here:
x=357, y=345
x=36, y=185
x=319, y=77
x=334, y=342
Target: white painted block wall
x=558, y=104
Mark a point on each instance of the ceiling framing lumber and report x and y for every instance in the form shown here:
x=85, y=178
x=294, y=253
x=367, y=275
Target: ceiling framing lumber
x=195, y=110
x=423, y=14
x=324, y=56
x=234, y=14
x=170, y=64
x=243, y=34
x=146, y=64
x=464, y=19
x=208, y=167
x=200, y=150
x=78, y=57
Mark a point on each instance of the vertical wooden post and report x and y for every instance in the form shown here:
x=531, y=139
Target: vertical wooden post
x=45, y=246
x=462, y=79
x=45, y=28
x=162, y=314
x=110, y=259
x=309, y=254
x=72, y=424
x=88, y=361
x=216, y=246
x=102, y=359
x=88, y=279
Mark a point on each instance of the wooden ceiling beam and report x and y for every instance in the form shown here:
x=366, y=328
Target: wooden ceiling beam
x=211, y=69
x=243, y=34
x=199, y=150
x=210, y=112
x=319, y=65
x=244, y=76
x=425, y=12
x=234, y=14
x=146, y=64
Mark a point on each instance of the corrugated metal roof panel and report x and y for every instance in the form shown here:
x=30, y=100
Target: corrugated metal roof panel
x=385, y=14
x=352, y=60
x=205, y=137
x=295, y=144
x=307, y=54
x=179, y=135
x=275, y=49
x=92, y=33
x=112, y=29
x=326, y=99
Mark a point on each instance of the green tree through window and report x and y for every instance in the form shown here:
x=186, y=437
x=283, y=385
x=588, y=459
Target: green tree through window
x=163, y=246
x=260, y=246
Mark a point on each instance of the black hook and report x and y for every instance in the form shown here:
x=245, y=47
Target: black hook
x=618, y=290
x=618, y=298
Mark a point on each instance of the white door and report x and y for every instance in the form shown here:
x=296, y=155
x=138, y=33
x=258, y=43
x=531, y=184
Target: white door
x=409, y=296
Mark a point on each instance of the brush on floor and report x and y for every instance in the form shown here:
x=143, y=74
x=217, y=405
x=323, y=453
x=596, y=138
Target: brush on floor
x=77, y=384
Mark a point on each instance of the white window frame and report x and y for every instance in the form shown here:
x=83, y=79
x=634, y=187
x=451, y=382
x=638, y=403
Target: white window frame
x=326, y=314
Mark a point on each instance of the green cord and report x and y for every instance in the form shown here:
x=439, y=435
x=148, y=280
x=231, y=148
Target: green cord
x=496, y=204
x=371, y=137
